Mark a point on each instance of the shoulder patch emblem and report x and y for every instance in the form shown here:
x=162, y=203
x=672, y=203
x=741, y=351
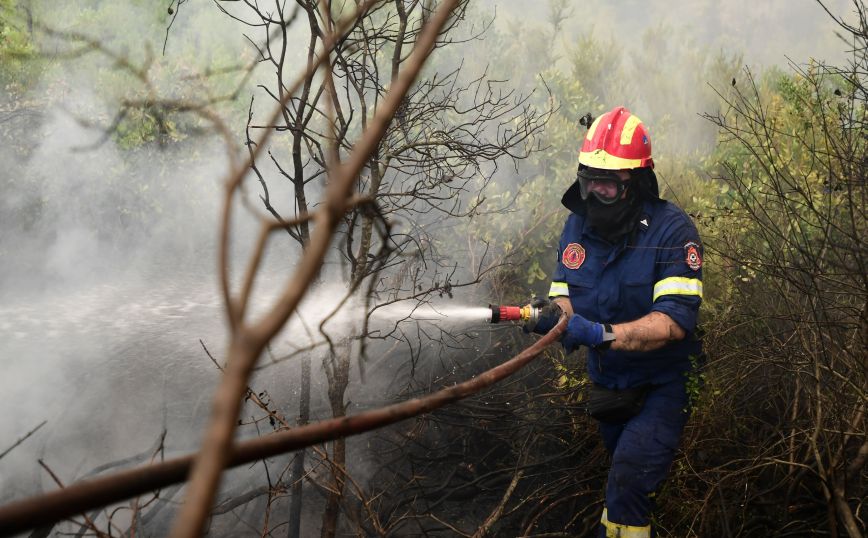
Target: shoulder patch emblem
x=692, y=255
x=574, y=256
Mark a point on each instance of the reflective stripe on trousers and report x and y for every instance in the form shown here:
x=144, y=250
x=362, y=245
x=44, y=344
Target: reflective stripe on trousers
x=614, y=530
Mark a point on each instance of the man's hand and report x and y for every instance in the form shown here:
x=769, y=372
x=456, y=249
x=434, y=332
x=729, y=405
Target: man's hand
x=549, y=315
x=581, y=332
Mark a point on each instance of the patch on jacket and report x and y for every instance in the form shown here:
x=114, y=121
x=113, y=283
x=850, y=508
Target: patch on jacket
x=692, y=255
x=574, y=256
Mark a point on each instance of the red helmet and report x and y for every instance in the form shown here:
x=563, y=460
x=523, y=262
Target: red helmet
x=617, y=140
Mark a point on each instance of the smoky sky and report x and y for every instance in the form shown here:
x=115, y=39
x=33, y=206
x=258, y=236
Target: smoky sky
x=766, y=32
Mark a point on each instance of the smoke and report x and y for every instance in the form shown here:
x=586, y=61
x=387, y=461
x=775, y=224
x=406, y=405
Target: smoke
x=767, y=33
x=108, y=256
x=664, y=60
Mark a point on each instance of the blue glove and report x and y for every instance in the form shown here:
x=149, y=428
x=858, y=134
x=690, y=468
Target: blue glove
x=549, y=315
x=581, y=332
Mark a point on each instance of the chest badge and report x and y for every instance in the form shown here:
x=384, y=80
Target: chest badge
x=692, y=255
x=574, y=256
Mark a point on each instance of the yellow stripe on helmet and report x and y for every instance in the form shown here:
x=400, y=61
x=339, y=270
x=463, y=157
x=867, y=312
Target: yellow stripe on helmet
x=677, y=285
x=606, y=161
x=629, y=128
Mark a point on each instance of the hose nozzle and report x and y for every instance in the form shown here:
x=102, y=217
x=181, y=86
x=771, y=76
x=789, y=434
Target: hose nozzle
x=513, y=313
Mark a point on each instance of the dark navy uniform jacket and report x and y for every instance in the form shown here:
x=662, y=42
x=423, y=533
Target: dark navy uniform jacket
x=656, y=269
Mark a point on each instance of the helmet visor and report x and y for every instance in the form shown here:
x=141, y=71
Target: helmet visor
x=604, y=185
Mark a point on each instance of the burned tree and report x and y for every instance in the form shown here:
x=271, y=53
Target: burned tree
x=435, y=159
x=434, y=163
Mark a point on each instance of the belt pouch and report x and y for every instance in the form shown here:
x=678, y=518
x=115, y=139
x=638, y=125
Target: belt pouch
x=614, y=405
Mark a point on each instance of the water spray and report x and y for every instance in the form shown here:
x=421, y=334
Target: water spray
x=513, y=313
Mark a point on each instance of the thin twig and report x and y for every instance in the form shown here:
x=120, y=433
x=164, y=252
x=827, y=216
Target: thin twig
x=22, y=439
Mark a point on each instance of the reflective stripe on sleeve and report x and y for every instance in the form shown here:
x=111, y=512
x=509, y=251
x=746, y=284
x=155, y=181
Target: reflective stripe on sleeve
x=677, y=285
x=559, y=289
x=616, y=530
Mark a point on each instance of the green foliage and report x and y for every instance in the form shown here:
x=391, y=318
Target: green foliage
x=17, y=66
x=788, y=237
x=141, y=126
x=597, y=65
x=130, y=72
x=695, y=382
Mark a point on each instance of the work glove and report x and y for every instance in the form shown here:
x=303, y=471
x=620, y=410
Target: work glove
x=581, y=332
x=550, y=313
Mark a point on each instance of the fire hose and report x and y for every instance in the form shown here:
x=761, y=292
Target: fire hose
x=80, y=497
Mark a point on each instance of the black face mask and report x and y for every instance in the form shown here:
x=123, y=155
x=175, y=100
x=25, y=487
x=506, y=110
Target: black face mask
x=613, y=222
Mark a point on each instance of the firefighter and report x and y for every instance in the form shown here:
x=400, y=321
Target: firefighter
x=629, y=275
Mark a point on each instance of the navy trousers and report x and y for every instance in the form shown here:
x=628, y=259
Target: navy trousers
x=642, y=451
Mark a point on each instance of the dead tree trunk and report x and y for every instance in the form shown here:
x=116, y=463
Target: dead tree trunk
x=296, y=474
x=338, y=380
